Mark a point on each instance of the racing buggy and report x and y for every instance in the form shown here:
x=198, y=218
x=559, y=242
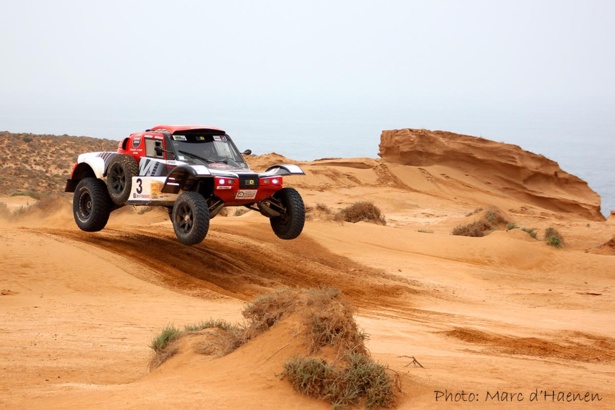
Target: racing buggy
x=193, y=171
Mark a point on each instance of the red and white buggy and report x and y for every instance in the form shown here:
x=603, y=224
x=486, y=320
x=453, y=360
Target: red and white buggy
x=193, y=171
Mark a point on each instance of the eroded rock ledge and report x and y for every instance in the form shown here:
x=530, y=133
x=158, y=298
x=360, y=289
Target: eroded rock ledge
x=518, y=173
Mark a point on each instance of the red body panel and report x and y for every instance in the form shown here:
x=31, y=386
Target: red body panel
x=174, y=128
x=228, y=193
x=134, y=144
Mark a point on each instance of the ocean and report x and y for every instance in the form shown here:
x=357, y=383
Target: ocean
x=586, y=152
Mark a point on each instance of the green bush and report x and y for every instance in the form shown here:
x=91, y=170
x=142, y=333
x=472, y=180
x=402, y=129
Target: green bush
x=531, y=231
x=554, y=238
x=360, y=379
x=168, y=334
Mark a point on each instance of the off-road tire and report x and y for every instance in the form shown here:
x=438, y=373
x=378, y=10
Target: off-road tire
x=290, y=223
x=91, y=204
x=119, y=177
x=190, y=218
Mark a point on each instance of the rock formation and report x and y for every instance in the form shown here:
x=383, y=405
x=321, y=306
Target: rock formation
x=520, y=174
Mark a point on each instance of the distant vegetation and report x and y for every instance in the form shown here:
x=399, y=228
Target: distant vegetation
x=325, y=320
x=492, y=219
x=37, y=165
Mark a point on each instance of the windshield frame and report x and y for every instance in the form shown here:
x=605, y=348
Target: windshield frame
x=206, y=147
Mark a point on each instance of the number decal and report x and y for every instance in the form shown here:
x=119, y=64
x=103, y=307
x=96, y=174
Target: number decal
x=140, y=185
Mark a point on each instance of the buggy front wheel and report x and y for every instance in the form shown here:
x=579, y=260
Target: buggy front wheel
x=292, y=214
x=190, y=218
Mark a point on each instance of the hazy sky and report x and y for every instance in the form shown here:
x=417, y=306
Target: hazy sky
x=479, y=67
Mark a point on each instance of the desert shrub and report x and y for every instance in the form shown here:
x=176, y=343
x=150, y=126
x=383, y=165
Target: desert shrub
x=361, y=212
x=531, y=231
x=491, y=219
x=494, y=217
x=554, y=238
x=360, y=379
x=370, y=379
x=511, y=226
x=309, y=375
x=475, y=229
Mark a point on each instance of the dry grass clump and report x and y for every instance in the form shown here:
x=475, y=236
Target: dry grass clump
x=491, y=219
x=361, y=212
x=266, y=310
x=327, y=319
x=329, y=322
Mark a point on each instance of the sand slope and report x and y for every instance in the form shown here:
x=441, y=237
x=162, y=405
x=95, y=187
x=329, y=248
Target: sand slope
x=502, y=313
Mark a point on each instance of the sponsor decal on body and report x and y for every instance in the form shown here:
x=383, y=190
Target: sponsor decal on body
x=246, y=194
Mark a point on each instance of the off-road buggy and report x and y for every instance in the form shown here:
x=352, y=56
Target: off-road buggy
x=193, y=171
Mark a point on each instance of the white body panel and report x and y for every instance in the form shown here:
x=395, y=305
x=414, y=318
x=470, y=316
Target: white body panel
x=96, y=161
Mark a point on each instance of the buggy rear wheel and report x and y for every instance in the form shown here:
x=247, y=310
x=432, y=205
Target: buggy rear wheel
x=119, y=177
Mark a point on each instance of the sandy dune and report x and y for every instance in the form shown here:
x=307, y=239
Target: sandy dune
x=503, y=317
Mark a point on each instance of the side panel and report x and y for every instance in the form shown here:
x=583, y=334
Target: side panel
x=148, y=190
x=152, y=167
x=183, y=177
